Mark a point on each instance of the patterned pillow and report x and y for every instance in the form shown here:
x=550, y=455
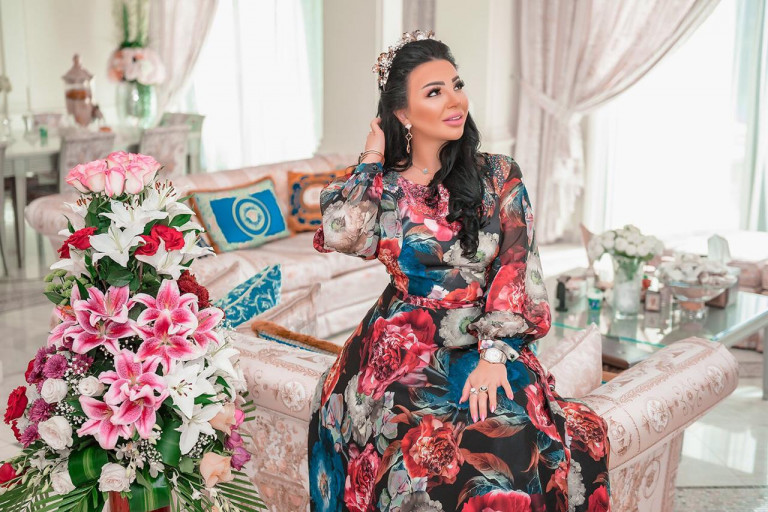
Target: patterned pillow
x=304, y=213
x=251, y=298
x=242, y=217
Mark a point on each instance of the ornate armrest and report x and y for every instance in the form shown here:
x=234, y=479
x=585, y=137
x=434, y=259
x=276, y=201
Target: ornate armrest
x=662, y=395
x=281, y=377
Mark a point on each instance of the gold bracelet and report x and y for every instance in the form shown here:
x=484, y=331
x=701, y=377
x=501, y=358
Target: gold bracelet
x=362, y=155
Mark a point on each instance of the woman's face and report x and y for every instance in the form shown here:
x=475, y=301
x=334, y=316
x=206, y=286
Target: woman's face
x=435, y=94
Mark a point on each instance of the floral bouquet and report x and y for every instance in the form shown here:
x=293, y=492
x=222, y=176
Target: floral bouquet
x=629, y=249
x=132, y=60
x=138, y=395
x=628, y=242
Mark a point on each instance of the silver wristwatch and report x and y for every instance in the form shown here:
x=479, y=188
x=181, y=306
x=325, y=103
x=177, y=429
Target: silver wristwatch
x=493, y=355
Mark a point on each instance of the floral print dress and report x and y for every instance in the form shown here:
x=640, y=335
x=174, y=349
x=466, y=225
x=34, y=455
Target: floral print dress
x=387, y=432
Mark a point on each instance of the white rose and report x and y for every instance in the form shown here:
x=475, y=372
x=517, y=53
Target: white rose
x=643, y=250
x=54, y=390
x=631, y=250
x=61, y=482
x=90, y=386
x=621, y=244
x=608, y=243
x=114, y=477
x=56, y=432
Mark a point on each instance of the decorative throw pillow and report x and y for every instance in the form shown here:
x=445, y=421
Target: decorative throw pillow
x=242, y=217
x=253, y=297
x=304, y=213
x=576, y=362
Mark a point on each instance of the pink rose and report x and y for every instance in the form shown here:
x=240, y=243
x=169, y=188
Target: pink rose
x=216, y=469
x=361, y=478
x=139, y=169
x=88, y=177
x=240, y=458
x=225, y=419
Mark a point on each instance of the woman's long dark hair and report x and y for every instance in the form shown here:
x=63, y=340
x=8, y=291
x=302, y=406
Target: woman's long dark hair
x=461, y=171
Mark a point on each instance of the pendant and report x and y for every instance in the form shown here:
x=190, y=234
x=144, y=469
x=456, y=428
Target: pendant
x=425, y=171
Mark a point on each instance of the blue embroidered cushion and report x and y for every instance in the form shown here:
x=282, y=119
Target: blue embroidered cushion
x=304, y=205
x=253, y=297
x=241, y=218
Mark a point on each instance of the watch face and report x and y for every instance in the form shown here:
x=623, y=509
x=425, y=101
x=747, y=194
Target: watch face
x=492, y=355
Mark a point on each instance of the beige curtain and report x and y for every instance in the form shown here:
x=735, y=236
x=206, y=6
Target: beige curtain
x=573, y=57
x=177, y=30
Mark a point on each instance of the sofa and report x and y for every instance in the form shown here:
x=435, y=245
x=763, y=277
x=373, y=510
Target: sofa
x=327, y=309
x=647, y=409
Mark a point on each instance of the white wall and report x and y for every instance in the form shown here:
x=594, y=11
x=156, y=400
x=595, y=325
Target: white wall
x=355, y=32
x=41, y=36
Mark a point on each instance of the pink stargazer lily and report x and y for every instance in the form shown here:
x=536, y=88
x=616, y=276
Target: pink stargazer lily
x=207, y=319
x=63, y=333
x=169, y=301
x=165, y=341
x=99, y=423
x=99, y=307
x=136, y=390
x=105, y=332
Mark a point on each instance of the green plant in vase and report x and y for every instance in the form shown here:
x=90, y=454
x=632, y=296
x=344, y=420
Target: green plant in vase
x=629, y=250
x=136, y=68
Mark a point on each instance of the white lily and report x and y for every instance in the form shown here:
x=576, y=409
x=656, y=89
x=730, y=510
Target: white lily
x=160, y=200
x=197, y=424
x=192, y=250
x=185, y=383
x=164, y=262
x=132, y=217
x=221, y=360
x=75, y=264
x=115, y=243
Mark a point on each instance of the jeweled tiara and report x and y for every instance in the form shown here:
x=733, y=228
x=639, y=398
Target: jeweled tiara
x=384, y=62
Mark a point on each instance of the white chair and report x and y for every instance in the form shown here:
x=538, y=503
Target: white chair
x=168, y=145
x=195, y=123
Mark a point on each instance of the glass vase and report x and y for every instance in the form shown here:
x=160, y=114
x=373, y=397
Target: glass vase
x=136, y=104
x=627, y=285
x=118, y=503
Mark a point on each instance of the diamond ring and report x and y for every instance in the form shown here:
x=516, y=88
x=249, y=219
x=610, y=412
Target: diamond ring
x=483, y=389
x=473, y=391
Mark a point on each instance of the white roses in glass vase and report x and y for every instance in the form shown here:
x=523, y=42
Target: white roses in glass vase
x=629, y=249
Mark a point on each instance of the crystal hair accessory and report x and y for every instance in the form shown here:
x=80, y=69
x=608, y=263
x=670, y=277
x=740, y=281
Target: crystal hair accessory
x=384, y=62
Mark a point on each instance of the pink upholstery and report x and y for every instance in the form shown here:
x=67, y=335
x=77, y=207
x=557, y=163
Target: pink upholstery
x=647, y=408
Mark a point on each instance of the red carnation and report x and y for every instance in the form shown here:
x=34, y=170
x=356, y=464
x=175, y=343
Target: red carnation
x=17, y=404
x=149, y=248
x=16, y=432
x=188, y=284
x=80, y=239
x=173, y=238
x=30, y=371
x=6, y=474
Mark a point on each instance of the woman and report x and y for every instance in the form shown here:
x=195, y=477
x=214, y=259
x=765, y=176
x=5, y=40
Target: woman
x=436, y=401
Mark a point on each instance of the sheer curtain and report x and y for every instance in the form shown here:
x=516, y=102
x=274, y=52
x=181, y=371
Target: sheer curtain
x=258, y=81
x=678, y=152
x=575, y=57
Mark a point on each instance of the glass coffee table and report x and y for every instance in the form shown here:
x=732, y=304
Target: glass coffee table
x=637, y=338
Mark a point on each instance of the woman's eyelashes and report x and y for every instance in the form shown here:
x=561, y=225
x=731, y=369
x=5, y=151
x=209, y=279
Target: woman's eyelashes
x=459, y=84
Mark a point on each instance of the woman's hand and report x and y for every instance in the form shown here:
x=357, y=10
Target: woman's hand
x=375, y=141
x=491, y=375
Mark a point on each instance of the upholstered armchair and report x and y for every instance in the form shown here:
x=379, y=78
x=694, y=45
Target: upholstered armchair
x=647, y=409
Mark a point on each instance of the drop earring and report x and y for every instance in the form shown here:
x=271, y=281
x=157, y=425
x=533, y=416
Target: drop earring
x=408, y=138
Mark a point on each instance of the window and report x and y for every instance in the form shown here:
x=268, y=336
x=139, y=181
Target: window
x=672, y=154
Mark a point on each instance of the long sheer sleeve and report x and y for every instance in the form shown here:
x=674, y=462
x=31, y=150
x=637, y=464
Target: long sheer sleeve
x=350, y=206
x=516, y=308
